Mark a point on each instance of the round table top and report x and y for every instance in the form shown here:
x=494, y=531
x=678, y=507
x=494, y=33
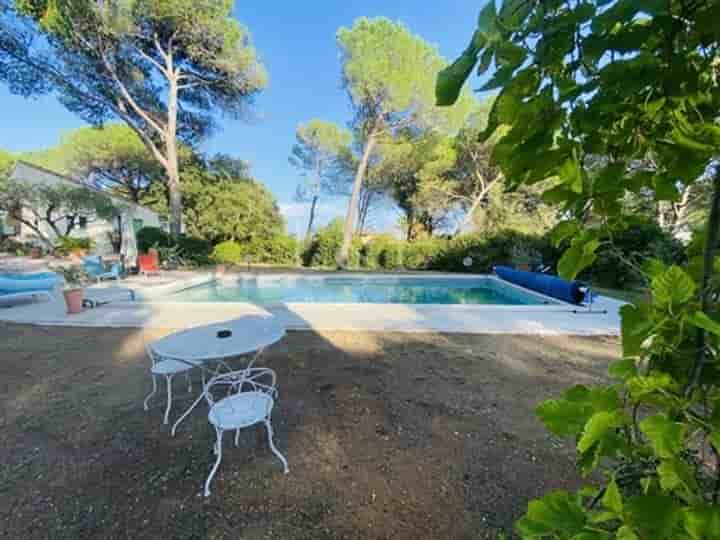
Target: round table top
x=247, y=334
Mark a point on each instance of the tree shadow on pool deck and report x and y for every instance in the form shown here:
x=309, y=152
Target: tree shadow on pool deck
x=387, y=435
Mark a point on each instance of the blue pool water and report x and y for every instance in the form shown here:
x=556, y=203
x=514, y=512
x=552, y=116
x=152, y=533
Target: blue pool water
x=268, y=290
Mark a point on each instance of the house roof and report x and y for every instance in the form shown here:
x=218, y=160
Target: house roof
x=76, y=181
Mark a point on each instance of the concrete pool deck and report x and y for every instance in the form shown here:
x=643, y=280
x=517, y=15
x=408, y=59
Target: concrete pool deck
x=151, y=310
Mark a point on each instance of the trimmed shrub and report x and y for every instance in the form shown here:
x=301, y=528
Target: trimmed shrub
x=324, y=246
x=228, y=252
x=150, y=237
x=382, y=252
x=419, y=255
x=279, y=249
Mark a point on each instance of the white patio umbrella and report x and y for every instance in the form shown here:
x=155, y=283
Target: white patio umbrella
x=128, y=243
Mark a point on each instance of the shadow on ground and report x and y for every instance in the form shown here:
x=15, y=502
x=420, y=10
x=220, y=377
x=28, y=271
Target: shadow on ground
x=402, y=436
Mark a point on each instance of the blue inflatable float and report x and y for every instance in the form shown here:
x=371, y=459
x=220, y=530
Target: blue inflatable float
x=552, y=286
x=11, y=283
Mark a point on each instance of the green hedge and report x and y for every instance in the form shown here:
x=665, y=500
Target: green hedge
x=383, y=252
x=322, y=250
x=488, y=251
x=279, y=249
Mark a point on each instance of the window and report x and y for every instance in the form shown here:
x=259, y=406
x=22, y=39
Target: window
x=83, y=222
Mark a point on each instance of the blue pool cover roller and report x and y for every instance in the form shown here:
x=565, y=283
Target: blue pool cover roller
x=552, y=286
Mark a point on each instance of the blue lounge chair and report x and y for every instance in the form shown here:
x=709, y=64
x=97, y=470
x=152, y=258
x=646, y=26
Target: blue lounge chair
x=94, y=268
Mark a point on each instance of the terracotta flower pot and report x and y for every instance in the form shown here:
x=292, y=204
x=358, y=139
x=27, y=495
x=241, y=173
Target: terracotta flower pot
x=220, y=270
x=73, y=300
x=36, y=253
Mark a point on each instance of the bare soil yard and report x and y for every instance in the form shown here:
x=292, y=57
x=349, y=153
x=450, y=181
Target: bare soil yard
x=388, y=436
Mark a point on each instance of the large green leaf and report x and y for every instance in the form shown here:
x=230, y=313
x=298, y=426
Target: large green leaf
x=599, y=426
x=703, y=522
x=563, y=231
x=555, y=513
x=667, y=438
x=672, y=288
x=612, y=500
x=654, y=516
x=579, y=256
x=676, y=476
x=451, y=79
x=701, y=320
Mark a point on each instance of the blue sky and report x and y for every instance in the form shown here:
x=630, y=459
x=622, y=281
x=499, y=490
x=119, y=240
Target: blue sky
x=296, y=42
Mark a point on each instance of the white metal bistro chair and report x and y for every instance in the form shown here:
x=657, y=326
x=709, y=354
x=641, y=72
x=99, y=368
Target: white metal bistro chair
x=168, y=368
x=250, y=395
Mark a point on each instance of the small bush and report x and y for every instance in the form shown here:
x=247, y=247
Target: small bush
x=419, y=255
x=150, y=237
x=281, y=249
x=325, y=245
x=228, y=252
x=382, y=252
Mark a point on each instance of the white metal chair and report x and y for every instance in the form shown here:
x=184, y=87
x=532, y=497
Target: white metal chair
x=167, y=368
x=247, y=402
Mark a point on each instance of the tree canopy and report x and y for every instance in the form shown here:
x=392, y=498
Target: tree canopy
x=388, y=74
x=165, y=68
x=316, y=152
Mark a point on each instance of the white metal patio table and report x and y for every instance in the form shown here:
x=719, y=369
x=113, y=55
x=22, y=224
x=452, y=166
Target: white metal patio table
x=213, y=344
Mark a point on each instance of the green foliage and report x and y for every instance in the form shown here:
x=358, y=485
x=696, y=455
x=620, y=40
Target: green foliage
x=7, y=161
x=488, y=251
x=222, y=204
x=388, y=73
x=619, y=261
x=68, y=244
x=382, y=252
x=165, y=68
x=419, y=255
x=228, y=252
x=322, y=249
x=610, y=102
x=280, y=249
x=114, y=157
x=150, y=237
x=182, y=250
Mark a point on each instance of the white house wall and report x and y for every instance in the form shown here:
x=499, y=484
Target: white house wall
x=97, y=229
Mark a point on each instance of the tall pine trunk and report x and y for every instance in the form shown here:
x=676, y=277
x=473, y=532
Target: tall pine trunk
x=311, y=220
x=344, y=256
x=172, y=168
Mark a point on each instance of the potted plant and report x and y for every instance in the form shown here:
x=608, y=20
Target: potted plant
x=524, y=257
x=75, y=278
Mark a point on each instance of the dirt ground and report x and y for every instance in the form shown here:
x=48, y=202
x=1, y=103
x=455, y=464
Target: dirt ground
x=402, y=436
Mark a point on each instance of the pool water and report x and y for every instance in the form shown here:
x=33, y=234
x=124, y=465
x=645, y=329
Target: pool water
x=268, y=290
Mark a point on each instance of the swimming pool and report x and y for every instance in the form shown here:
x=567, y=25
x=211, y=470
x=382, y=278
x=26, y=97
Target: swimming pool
x=273, y=290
